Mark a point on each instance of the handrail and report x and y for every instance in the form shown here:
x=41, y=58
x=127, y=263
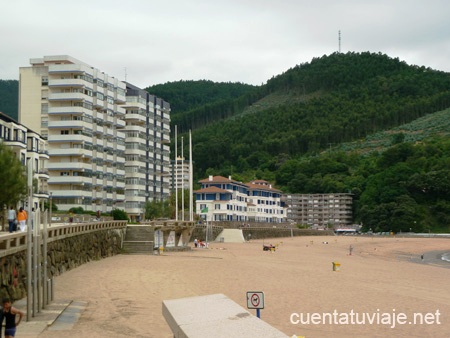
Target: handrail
x=11, y=243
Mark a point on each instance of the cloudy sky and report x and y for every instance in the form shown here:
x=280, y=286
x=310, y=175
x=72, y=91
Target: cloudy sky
x=249, y=41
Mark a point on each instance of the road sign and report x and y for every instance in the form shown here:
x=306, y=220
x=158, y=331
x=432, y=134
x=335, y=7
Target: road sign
x=255, y=300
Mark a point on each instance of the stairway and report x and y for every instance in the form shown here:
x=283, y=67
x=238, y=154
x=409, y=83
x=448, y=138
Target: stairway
x=138, y=240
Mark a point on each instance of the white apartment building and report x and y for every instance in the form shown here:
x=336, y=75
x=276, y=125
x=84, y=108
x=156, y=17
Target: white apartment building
x=320, y=211
x=31, y=149
x=147, y=152
x=77, y=108
x=224, y=199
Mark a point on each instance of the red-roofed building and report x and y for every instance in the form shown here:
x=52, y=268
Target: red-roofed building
x=225, y=199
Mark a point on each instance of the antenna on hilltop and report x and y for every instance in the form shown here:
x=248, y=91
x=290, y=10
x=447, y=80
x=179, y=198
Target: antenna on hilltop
x=339, y=33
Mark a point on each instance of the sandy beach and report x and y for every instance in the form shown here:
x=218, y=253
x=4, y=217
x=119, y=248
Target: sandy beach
x=384, y=283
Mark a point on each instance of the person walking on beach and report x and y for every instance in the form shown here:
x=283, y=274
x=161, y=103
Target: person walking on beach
x=12, y=219
x=10, y=313
x=22, y=218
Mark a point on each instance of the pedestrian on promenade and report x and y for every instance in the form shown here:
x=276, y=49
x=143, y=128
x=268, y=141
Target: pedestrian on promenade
x=12, y=219
x=33, y=213
x=22, y=218
x=10, y=313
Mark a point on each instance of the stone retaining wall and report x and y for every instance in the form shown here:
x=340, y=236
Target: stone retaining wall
x=63, y=254
x=261, y=233
x=199, y=232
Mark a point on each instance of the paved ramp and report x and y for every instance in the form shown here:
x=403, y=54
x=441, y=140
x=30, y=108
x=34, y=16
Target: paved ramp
x=231, y=236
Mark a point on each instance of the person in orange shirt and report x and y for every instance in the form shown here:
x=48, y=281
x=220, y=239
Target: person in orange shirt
x=22, y=219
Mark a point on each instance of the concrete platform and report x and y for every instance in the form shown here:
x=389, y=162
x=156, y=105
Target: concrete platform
x=214, y=316
x=231, y=236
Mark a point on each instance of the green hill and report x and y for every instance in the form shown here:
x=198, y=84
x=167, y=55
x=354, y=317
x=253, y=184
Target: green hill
x=332, y=100
x=9, y=98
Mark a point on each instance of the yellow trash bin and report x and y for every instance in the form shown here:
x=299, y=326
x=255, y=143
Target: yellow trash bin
x=336, y=266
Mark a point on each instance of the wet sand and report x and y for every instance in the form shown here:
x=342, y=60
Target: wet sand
x=381, y=277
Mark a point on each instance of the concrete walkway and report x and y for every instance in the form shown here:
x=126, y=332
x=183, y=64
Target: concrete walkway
x=58, y=316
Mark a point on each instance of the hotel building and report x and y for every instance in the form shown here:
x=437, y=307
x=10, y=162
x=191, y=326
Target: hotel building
x=224, y=199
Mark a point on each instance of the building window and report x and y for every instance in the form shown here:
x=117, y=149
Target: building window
x=44, y=81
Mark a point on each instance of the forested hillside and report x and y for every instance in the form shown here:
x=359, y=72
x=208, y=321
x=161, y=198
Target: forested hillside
x=292, y=128
x=201, y=102
x=9, y=97
x=347, y=96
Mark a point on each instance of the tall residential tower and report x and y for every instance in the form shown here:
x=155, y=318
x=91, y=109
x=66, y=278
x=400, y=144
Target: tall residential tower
x=147, y=150
x=77, y=108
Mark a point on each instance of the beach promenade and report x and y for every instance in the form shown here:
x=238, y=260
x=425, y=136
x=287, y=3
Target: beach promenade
x=384, y=289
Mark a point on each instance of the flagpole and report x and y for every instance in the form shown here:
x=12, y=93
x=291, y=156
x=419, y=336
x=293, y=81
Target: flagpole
x=176, y=175
x=191, y=196
x=182, y=178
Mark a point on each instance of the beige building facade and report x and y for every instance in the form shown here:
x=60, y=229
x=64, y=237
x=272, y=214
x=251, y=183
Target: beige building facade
x=78, y=109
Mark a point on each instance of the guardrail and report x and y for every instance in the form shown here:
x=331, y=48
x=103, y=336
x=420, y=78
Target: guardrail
x=11, y=243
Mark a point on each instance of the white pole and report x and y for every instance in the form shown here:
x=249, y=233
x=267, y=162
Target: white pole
x=44, y=257
x=191, y=192
x=29, y=245
x=176, y=175
x=182, y=178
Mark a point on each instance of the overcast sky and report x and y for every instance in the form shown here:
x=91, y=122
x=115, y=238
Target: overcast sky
x=152, y=42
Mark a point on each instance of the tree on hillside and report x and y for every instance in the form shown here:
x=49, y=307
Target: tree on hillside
x=12, y=176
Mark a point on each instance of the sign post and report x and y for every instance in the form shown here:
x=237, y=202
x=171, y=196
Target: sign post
x=255, y=300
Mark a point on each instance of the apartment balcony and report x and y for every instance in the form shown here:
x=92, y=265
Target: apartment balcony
x=69, y=138
x=134, y=211
x=66, y=83
x=41, y=194
x=108, y=158
x=136, y=117
x=68, y=152
x=17, y=144
x=71, y=193
x=69, y=110
x=119, y=99
x=78, y=166
x=68, y=68
x=72, y=96
x=42, y=174
x=120, y=123
x=43, y=154
x=108, y=131
x=165, y=139
x=70, y=180
x=97, y=103
x=120, y=185
x=69, y=124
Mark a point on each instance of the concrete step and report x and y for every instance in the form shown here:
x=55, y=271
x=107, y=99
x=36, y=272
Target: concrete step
x=134, y=247
x=139, y=239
